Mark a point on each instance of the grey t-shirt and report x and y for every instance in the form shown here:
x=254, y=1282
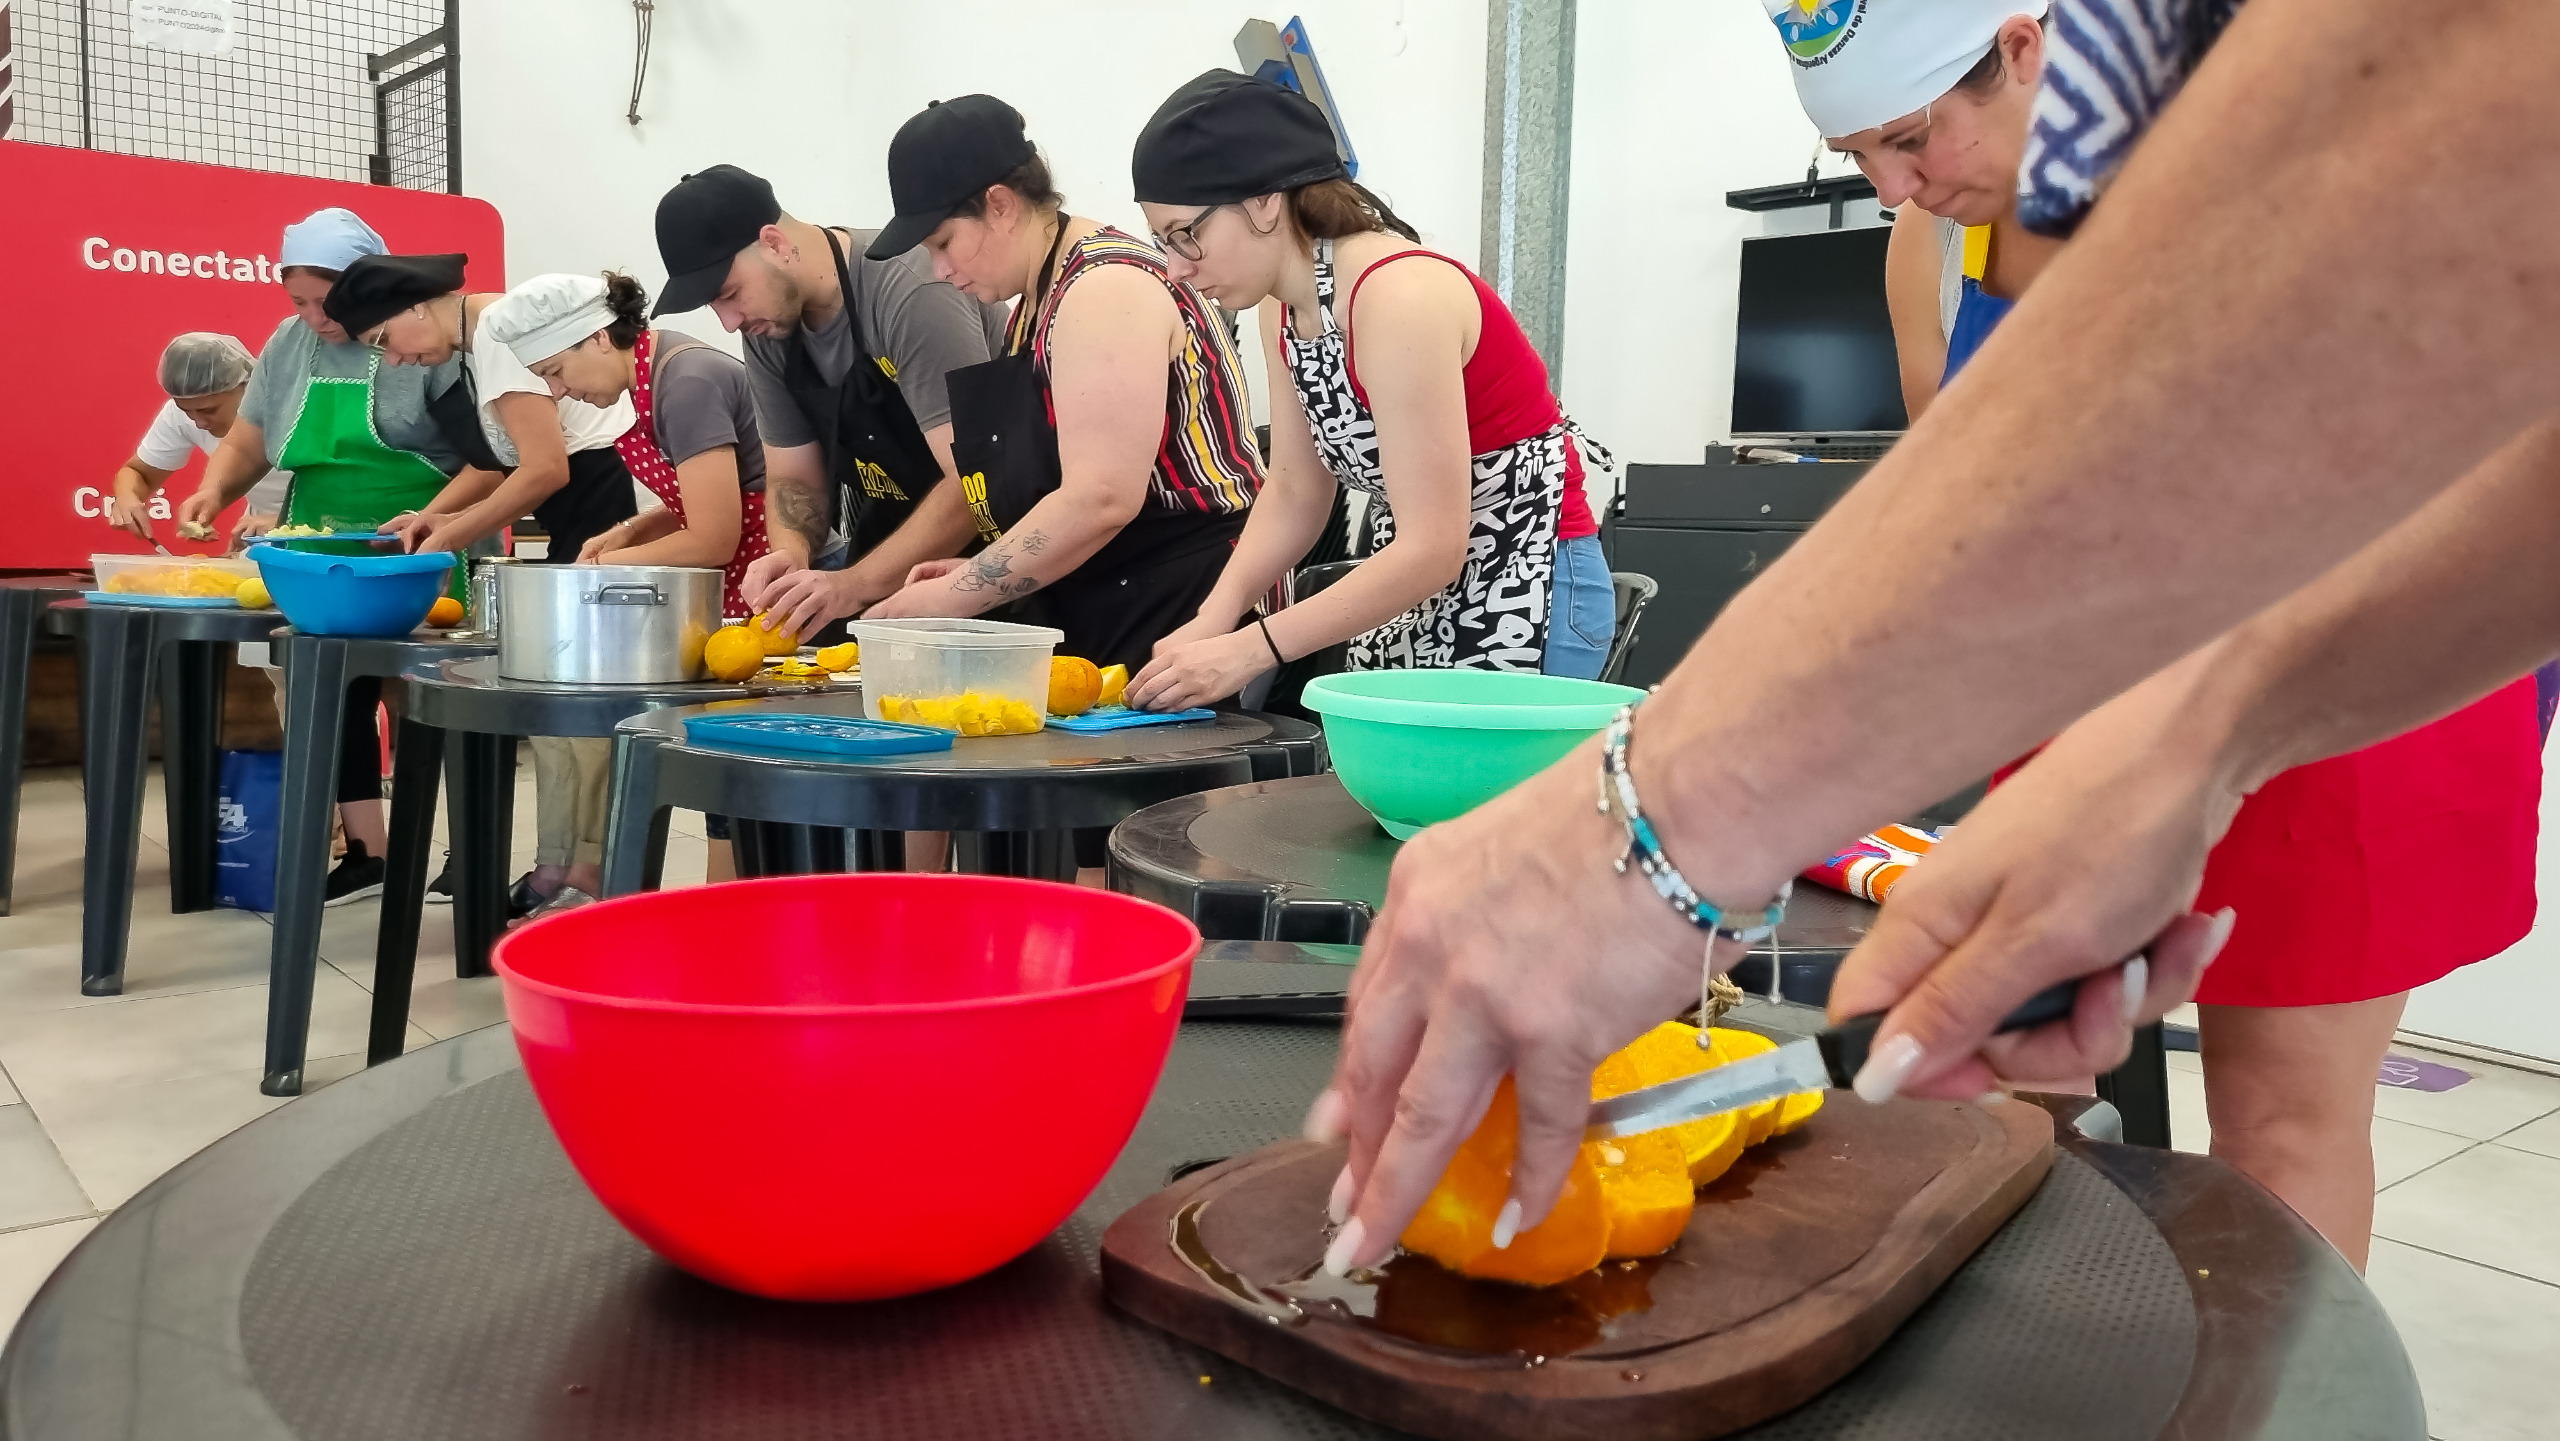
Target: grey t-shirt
x=925, y=328
x=702, y=401
x=295, y=354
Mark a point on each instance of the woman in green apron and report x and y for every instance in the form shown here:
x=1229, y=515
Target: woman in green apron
x=362, y=448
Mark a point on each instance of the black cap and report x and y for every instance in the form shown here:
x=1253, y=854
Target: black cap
x=952, y=150
x=703, y=223
x=375, y=288
x=1227, y=137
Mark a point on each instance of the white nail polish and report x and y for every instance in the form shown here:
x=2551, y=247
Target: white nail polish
x=1337, y=1207
x=1324, y=1119
x=1506, y=1225
x=2220, y=934
x=1887, y=1067
x=2137, y=985
x=1346, y=1244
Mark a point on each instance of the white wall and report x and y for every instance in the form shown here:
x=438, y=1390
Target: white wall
x=807, y=93
x=2509, y=1002
x=1675, y=103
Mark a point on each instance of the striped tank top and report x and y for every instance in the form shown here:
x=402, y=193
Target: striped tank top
x=1207, y=463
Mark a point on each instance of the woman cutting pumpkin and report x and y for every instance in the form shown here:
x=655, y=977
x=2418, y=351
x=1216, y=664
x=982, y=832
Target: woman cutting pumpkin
x=362, y=447
x=1107, y=456
x=2297, y=1013
x=693, y=441
x=1395, y=371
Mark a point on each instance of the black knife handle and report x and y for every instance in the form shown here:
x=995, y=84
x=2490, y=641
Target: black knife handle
x=1844, y=1046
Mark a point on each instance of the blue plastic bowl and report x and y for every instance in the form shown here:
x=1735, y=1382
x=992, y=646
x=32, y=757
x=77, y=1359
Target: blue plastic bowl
x=368, y=595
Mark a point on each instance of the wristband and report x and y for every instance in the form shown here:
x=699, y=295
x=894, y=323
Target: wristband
x=1264, y=626
x=1618, y=798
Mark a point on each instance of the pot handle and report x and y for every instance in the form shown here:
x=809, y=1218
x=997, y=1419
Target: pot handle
x=628, y=592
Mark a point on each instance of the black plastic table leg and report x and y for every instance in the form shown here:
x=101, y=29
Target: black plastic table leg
x=115, y=688
x=484, y=796
x=635, y=825
x=191, y=687
x=828, y=853
x=416, y=761
x=315, y=708
x=2139, y=1090
x=748, y=843
x=878, y=850
x=18, y=611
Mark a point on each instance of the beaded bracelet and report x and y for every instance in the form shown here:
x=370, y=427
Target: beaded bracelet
x=1618, y=798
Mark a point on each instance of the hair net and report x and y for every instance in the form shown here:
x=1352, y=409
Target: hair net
x=202, y=362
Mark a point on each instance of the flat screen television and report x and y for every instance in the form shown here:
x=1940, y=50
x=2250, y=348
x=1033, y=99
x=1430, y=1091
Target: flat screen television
x=1813, y=345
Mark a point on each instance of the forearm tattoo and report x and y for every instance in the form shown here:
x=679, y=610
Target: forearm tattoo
x=992, y=569
x=800, y=508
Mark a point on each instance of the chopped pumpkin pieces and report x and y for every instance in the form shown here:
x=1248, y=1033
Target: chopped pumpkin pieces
x=970, y=713
x=1624, y=1198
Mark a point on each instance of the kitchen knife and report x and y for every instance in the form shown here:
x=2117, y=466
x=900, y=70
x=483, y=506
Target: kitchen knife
x=1830, y=1058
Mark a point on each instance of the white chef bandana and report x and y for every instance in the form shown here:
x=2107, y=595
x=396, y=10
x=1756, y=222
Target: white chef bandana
x=546, y=315
x=1860, y=63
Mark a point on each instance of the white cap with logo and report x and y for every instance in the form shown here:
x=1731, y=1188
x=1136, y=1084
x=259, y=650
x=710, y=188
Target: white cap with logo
x=1861, y=63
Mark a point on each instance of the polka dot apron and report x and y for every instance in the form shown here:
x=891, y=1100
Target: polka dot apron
x=650, y=466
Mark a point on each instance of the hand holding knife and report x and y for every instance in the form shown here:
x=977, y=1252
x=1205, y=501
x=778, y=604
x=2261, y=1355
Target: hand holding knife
x=1832, y=1057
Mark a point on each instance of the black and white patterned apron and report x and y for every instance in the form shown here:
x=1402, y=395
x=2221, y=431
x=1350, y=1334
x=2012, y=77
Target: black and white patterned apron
x=1495, y=615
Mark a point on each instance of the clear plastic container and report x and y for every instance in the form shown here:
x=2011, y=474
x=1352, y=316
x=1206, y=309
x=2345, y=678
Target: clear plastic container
x=195, y=575
x=977, y=677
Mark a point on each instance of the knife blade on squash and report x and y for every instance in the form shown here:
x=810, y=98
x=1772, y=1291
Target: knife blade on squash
x=1830, y=1057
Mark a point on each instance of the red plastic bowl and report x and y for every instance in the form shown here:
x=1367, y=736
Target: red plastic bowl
x=835, y=1088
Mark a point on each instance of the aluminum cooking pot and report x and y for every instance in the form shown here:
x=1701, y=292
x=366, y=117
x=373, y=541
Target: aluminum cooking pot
x=605, y=624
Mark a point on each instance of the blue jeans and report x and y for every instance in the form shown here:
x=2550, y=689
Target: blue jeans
x=1582, y=611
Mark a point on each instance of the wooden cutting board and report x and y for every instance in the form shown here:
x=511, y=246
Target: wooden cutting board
x=1796, y=1267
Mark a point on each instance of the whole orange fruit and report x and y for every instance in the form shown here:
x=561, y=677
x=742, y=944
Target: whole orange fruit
x=733, y=653
x=445, y=612
x=1074, y=684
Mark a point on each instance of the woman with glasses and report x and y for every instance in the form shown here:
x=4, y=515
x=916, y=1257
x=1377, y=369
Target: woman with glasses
x=357, y=436
x=2337, y=873
x=1395, y=371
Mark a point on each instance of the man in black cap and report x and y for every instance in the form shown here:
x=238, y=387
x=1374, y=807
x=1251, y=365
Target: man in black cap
x=847, y=357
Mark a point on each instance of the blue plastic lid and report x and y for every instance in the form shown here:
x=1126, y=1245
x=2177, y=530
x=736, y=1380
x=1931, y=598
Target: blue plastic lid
x=829, y=736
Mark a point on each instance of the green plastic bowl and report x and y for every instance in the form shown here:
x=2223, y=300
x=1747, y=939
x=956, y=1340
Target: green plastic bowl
x=1417, y=747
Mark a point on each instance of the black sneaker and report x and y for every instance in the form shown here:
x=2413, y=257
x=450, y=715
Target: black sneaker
x=357, y=876
x=440, y=890
x=522, y=899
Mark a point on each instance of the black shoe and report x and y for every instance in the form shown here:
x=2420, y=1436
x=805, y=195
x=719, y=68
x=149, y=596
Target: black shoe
x=440, y=890
x=357, y=876
x=523, y=899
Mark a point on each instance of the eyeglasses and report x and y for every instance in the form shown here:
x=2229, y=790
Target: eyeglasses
x=1184, y=239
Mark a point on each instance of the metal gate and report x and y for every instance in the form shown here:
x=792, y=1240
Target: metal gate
x=363, y=90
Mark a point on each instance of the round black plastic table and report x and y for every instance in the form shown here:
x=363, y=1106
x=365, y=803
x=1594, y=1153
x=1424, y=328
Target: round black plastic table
x=1019, y=794
x=22, y=599
x=408, y=1254
x=316, y=671
x=120, y=656
x=486, y=712
x=1299, y=860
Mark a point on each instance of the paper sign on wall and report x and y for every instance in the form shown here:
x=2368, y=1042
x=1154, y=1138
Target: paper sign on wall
x=192, y=27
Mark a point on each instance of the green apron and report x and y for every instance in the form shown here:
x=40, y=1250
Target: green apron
x=344, y=477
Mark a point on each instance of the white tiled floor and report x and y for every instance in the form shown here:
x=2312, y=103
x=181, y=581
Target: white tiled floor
x=100, y=1096
x=2466, y=1251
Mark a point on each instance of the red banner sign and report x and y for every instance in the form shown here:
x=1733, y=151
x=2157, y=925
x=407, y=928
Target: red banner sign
x=104, y=258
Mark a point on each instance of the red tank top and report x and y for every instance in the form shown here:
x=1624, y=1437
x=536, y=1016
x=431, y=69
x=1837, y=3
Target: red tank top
x=1508, y=399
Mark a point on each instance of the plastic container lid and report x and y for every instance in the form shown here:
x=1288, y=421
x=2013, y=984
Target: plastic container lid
x=957, y=634
x=841, y=737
